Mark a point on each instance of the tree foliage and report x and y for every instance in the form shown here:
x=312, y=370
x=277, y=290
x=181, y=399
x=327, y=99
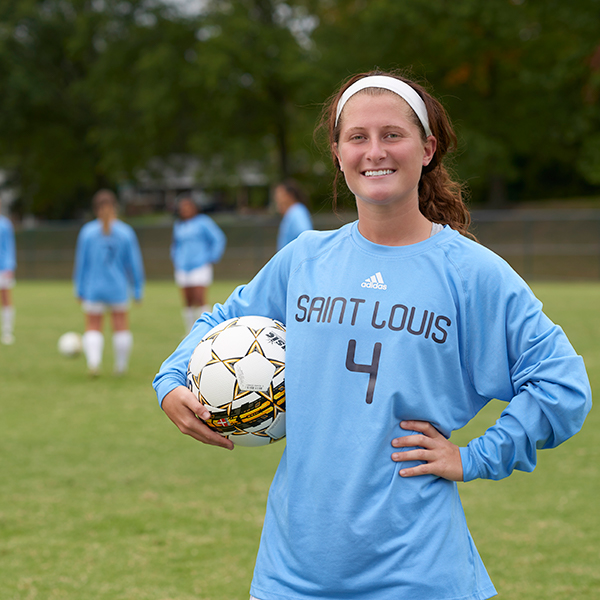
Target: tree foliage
x=92, y=90
x=521, y=81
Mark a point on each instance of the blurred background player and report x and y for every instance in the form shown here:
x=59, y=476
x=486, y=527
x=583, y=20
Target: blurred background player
x=108, y=268
x=197, y=244
x=290, y=201
x=8, y=264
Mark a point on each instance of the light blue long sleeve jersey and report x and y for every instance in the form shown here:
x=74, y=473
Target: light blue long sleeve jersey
x=196, y=242
x=296, y=220
x=8, y=255
x=108, y=268
x=376, y=335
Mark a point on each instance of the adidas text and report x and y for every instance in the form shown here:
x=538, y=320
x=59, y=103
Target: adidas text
x=375, y=282
x=375, y=286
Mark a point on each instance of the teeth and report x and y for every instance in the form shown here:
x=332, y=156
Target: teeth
x=377, y=173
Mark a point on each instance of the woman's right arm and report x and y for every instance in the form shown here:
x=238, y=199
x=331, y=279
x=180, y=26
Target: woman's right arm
x=79, y=269
x=264, y=296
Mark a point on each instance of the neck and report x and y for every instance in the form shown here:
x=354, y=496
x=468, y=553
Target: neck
x=287, y=207
x=106, y=222
x=392, y=227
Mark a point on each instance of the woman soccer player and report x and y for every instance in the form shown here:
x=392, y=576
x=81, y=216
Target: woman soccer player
x=399, y=330
x=8, y=264
x=108, y=268
x=198, y=243
x=290, y=201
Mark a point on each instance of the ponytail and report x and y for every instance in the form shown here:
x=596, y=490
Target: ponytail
x=105, y=198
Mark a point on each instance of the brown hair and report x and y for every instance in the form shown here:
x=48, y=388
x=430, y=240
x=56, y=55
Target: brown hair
x=101, y=199
x=441, y=199
x=293, y=188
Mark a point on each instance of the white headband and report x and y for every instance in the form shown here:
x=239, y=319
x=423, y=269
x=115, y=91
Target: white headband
x=394, y=85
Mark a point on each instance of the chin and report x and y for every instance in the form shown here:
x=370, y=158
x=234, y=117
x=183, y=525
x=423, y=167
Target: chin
x=376, y=200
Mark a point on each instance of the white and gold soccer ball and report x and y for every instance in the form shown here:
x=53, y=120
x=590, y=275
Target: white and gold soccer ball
x=238, y=372
x=69, y=344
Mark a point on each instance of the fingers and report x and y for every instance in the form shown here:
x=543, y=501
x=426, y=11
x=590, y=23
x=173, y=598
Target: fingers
x=182, y=407
x=428, y=433
x=438, y=455
x=424, y=469
x=423, y=426
x=204, y=434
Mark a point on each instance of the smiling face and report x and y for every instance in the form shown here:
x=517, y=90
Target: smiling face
x=381, y=150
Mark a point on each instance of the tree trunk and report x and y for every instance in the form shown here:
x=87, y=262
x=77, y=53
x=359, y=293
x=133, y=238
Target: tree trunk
x=498, y=196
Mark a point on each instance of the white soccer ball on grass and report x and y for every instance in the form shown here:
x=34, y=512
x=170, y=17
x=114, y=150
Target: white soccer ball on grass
x=70, y=344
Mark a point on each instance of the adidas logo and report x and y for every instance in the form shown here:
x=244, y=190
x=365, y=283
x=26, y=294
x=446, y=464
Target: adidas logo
x=374, y=282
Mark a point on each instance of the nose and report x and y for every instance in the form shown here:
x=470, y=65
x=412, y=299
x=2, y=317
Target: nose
x=375, y=151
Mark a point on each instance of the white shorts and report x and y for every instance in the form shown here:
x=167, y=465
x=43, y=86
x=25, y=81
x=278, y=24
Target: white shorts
x=200, y=277
x=7, y=280
x=99, y=308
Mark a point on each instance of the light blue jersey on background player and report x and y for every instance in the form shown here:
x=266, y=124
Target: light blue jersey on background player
x=108, y=268
x=290, y=201
x=296, y=220
x=198, y=243
x=8, y=264
x=8, y=257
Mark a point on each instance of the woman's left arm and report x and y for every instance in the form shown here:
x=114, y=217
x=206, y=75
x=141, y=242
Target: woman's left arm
x=513, y=352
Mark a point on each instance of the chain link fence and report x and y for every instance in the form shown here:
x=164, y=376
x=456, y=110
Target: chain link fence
x=544, y=244
x=539, y=244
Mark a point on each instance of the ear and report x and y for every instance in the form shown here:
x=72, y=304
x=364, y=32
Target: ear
x=334, y=149
x=429, y=150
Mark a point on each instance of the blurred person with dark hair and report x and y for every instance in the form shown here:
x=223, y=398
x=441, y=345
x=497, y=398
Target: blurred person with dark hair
x=198, y=243
x=290, y=200
x=108, y=270
x=8, y=263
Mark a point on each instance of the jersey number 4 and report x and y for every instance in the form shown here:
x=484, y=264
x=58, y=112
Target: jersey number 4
x=371, y=369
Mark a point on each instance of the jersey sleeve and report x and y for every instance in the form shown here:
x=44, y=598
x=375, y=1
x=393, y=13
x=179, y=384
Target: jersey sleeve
x=136, y=266
x=264, y=296
x=302, y=222
x=515, y=353
x=174, y=246
x=8, y=251
x=295, y=221
x=80, y=266
x=217, y=241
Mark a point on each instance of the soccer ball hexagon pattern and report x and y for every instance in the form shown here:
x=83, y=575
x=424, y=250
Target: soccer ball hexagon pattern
x=238, y=372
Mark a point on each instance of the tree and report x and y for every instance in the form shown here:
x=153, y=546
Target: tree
x=254, y=63
x=520, y=80
x=95, y=89
x=98, y=88
x=71, y=117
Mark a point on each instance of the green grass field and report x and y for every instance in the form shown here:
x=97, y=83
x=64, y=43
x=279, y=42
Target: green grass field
x=102, y=498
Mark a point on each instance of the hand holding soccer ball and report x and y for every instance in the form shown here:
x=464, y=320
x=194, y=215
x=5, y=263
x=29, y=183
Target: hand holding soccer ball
x=236, y=385
x=183, y=408
x=237, y=372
